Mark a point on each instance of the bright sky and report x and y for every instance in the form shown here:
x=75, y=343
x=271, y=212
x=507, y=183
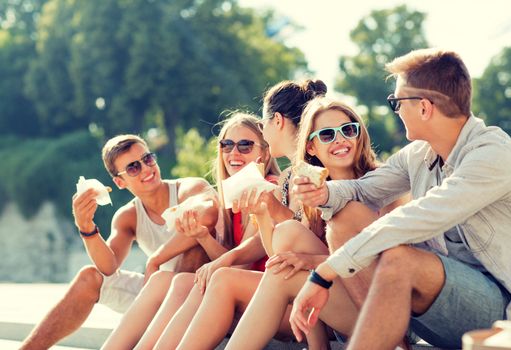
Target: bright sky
x=477, y=30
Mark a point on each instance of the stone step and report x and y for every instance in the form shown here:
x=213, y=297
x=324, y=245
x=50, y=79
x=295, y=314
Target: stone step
x=23, y=305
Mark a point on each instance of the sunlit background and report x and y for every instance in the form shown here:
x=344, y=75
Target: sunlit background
x=74, y=73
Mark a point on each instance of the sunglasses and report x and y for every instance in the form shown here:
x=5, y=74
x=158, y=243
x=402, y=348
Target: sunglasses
x=134, y=168
x=243, y=146
x=327, y=135
x=395, y=102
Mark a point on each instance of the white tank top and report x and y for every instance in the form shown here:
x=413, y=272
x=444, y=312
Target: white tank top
x=150, y=235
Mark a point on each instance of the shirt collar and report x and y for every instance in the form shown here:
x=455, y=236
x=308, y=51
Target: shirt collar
x=432, y=158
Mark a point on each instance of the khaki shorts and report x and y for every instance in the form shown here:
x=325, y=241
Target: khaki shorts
x=119, y=290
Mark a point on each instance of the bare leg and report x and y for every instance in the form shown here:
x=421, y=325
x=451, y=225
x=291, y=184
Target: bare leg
x=406, y=280
x=267, y=310
x=264, y=313
x=164, y=329
x=293, y=236
x=69, y=313
x=229, y=290
x=141, y=312
x=347, y=223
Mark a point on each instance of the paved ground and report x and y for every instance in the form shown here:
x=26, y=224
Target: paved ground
x=23, y=305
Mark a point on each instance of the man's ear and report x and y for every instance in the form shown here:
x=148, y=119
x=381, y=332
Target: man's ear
x=119, y=181
x=426, y=109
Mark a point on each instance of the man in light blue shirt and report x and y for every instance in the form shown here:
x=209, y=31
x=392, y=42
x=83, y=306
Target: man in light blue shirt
x=439, y=264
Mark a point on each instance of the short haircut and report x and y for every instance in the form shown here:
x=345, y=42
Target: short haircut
x=441, y=75
x=116, y=146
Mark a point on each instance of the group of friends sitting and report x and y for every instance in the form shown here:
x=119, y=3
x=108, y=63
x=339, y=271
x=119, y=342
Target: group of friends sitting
x=374, y=254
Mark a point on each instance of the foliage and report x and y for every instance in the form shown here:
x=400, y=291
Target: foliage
x=195, y=156
x=39, y=170
x=381, y=36
x=18, y=115
x=492, y=92
x=113, y=63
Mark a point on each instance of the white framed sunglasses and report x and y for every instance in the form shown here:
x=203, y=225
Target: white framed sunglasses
x=327, y=135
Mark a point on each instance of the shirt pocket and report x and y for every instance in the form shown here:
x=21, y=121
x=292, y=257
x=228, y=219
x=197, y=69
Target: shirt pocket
x=478, y=232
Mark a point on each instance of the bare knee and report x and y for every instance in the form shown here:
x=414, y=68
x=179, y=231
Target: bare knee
x=285, y=235
x=395, y=263
x=339, y=230
x=221, y=280
x=87, y=283
x=181, y=284
x=160, y=278
x=347, y=223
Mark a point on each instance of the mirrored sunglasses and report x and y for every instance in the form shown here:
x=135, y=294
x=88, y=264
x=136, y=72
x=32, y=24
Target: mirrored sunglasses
x=134, y=168
x=243, y=146
x=327, y=135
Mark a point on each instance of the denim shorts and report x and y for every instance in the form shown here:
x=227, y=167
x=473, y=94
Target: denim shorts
x=469, y=299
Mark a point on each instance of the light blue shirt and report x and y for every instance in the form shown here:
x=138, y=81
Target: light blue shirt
x=472, y=197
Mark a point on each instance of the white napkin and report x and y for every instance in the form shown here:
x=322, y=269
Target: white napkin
x=171, y=214
x=176, y=212
x=502, y=338
x=246, y=179
x=103, y=197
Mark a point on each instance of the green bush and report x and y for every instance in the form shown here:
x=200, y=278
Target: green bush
x=195, y=155
x=40, y=170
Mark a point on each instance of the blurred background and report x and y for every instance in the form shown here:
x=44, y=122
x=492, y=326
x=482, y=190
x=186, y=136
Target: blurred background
x=74, y=73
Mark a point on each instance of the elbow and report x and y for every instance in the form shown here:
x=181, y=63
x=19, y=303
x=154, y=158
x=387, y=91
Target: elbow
x=210, y=217
x=109, y=269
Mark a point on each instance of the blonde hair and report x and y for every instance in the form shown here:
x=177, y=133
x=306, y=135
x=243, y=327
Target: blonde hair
x=363, y=161
x=271, y=167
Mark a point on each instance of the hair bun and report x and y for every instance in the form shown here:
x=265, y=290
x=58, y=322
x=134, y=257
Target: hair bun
x=313, y=88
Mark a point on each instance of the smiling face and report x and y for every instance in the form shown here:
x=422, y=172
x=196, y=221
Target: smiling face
x=337, y=156
x=234, y=161
x=149, y=177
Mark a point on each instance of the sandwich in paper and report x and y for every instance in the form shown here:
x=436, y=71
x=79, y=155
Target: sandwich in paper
x=103, y=197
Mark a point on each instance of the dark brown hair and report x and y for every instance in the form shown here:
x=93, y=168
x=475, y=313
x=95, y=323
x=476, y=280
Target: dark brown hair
x=289, y=98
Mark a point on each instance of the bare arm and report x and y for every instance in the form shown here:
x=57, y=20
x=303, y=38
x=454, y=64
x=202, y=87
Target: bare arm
x=206, y=211
x=107, y=256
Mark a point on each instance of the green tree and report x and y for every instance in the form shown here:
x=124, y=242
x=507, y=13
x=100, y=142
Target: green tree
x=381, y=36
x=492, y=92
x=18, y=114
x=118, y=64
x=20, y=16
x=195, y=155
x=18, y=20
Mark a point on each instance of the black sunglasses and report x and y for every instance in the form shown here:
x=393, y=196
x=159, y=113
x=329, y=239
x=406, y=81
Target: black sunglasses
x=327, y=135
x=243, y=146
x=134, y=168
x=395, y=102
